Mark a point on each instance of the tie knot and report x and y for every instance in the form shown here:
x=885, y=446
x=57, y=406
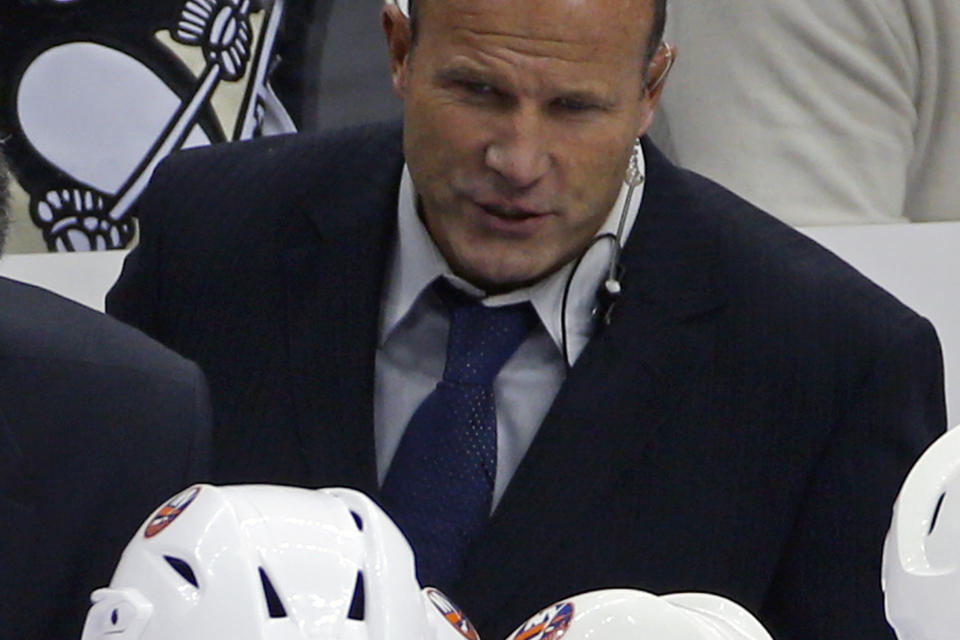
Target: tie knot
x=481, y=339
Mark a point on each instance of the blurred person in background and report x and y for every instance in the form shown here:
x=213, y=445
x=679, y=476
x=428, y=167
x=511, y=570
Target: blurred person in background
x=822, y=112
x=98, y=423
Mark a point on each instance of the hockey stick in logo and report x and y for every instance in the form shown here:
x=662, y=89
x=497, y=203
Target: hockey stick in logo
x=259, y=92
x=222, y=29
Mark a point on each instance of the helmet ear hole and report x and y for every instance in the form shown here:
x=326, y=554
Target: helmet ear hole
x=274, y=606
x=117, y=613
x=182, y=568
x=357, y=519
x=921, y=558
x=936, y=512
x=357, y=605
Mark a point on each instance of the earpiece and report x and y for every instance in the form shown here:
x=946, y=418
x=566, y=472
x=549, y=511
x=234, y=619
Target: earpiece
x=669, y=54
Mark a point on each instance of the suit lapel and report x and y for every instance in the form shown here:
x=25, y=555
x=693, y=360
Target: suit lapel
x=618, y=396
x=334, y=258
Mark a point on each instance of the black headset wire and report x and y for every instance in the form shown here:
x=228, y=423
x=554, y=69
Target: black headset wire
x=566, y=293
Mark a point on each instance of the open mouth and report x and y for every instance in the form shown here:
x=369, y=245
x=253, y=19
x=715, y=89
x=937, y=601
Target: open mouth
x=509, y=221
x=510, y=213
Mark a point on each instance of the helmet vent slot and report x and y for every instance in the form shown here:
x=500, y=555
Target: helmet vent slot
x=357, y=604
x=274, y=606
x=357, y=519
x=936, y=512
x=181, y=567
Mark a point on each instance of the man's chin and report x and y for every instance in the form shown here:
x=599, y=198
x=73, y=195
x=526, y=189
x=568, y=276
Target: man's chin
x=497, y=278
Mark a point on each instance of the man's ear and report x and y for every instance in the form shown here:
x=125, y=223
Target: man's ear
x=657, y=72
x=396, y=26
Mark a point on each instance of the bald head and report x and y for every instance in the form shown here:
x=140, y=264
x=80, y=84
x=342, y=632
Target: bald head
x=520, y=117
x=650, y=46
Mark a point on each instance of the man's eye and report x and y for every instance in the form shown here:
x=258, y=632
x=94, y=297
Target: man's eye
x=573, y=105
x=478, y=88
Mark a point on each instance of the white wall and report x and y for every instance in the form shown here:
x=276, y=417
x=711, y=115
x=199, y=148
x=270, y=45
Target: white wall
x=84, y=277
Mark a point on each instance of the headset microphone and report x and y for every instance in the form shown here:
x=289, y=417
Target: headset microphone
x=609, y=291
x=607, y=296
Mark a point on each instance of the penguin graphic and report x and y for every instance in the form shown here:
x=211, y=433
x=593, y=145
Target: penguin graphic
x=95, y=93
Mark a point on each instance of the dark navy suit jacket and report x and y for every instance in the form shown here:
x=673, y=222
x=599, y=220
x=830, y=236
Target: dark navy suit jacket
x=741, y=427
x=98, y=425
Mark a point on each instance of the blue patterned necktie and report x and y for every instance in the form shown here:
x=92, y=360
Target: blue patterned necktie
x=439, y=488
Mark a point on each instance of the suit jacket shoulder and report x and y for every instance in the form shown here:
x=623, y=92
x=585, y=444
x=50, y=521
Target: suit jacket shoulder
x=98, y=425
x=238, y=209
x=41, y=326
x=263, y=261
x=264, y=180
x=738, y=252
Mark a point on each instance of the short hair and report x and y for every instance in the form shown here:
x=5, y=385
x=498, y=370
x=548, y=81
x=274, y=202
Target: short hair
x=4, y=198
x=653, y=41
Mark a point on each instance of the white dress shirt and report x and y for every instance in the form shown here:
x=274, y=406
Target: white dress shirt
x=413, y=336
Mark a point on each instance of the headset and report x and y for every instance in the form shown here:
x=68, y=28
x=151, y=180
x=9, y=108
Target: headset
x=609, y=291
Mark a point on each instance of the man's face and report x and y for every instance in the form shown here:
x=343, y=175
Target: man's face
x=519, y=119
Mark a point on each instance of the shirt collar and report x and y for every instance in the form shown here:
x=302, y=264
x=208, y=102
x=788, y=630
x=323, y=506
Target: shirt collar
x=416, y=262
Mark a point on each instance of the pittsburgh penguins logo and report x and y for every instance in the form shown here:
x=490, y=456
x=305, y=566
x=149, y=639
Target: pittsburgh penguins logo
x=549, y=624
x=98, y=92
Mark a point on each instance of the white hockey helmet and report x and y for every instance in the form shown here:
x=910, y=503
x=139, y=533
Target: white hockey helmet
x=612, y=614
x=921, y=555
x=261, y=562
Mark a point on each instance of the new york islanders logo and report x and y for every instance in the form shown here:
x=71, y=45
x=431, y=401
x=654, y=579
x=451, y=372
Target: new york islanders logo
x=169, y=512
x=453, y=614
x=549, y=624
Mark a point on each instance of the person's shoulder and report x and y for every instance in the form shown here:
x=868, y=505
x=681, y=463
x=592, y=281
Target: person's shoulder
x=233, y=192
x=38, y=326
x=761, y=257
x=285, y=153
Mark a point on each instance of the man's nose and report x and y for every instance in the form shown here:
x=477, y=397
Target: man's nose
x=519, y=152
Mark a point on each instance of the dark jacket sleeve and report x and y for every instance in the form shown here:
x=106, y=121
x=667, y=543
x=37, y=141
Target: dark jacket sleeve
x=827, y=583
